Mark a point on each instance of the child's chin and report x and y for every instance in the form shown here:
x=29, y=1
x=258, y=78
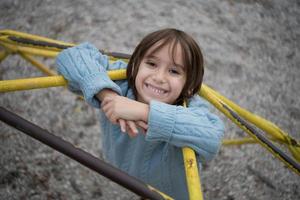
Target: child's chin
x=148, y=99
x=160, y=100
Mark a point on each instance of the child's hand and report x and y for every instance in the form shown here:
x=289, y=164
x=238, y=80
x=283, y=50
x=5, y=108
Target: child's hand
x=131, y=127
x=119, y=107
x=110, y=98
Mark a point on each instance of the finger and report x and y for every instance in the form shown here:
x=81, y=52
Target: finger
x=122, y=125
x=134, y=131
x=128, y=130
x=142, y=124
x=130, y=133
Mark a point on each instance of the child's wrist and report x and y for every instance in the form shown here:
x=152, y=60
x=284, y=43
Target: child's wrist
x=144, y=112
x=105, y=93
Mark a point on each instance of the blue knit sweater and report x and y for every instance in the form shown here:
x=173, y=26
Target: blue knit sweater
x=156, y=158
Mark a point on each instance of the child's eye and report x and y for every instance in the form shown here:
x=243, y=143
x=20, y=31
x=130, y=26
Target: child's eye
x=150, y=63
x=174, y=71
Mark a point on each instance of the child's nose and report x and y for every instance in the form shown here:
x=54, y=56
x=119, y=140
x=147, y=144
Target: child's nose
x=159, y=76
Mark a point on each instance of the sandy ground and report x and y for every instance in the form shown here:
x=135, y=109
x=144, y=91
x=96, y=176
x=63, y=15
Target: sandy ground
x=251, y=50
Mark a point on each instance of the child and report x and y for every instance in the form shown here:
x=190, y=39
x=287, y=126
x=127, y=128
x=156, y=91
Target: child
x=165, y=69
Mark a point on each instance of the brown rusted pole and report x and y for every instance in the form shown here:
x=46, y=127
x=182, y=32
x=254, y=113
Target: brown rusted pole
x=80, y=156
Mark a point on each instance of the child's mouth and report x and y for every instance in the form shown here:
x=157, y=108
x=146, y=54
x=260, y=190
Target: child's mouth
x=155, y=90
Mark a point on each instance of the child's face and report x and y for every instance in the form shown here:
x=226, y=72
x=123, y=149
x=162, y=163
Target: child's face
x=159, y=78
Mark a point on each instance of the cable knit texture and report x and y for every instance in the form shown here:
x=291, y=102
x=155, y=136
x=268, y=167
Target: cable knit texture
x=156, y=158
x=85, y=69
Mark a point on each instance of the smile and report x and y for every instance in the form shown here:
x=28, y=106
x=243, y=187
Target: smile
x=155, y=90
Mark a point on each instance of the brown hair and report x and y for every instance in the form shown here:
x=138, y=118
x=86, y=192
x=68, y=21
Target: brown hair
x=192, y=58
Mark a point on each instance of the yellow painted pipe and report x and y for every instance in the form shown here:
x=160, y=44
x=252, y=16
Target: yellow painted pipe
x=218, y=104
x=49, y=52
x=7, y=40
x=7, y=32
x=3, y=55
x=45, y=82
x=192, y=174
x=37, y=64
x=246, y=140
x=268, y=127
x=255, y=119
x=32, y=83
x=29, y=50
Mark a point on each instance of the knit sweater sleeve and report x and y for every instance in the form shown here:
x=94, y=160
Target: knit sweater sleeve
x=86, y=68
x=195, y=127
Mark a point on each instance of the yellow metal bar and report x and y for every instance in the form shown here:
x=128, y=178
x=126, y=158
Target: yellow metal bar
x=37, y=64
x=29, y=50
x=45, y=82
x=39, y=50
x=246, y=140
x=6, y=39
x=3, y=55
x=32, y=83
x=265, y=125
x=192, y=174
x=219, y=105
x=240, y=141
x=37, y=42
x=33, y=37
x=295, y=150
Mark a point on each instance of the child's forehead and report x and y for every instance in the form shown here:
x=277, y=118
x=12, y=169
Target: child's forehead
x=166, y=52
x=173, y=49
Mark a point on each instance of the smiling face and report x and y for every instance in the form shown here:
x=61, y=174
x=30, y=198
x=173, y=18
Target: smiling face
x=160, y=65
x=161, y=75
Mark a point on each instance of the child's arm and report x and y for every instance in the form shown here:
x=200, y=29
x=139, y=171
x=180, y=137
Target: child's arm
x=123, y=111
x=194, y=127
x=119, y=107
x=85, y=68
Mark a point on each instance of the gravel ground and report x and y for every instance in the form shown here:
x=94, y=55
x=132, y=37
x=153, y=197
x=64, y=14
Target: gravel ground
x=251, y=51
